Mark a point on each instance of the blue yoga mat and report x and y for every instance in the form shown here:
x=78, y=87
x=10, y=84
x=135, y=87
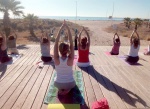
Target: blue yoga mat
x=75, y=96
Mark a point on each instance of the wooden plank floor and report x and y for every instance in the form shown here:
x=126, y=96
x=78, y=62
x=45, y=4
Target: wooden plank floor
x=23, y=85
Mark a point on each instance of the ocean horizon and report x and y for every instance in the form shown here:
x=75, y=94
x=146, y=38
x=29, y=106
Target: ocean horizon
x=75, y=18
x=80, y=18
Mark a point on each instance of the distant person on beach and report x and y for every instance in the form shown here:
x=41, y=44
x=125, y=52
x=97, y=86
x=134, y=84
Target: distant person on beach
x=3, y=50
x=116, y=46
x=76, y=40
x=65, y=38
x=45, y=47
x=83, y=49
x=134, y=48
x=12, y=49
x=51, y=35
x=64, y=80
x=62, y=35
x=147, y=52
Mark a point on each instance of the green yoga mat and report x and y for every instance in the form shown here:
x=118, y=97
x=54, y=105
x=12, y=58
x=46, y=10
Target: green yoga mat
x=75, y=96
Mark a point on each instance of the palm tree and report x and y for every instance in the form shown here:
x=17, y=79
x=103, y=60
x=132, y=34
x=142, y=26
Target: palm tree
x=146, y=22
x=30, y=19
x=7, y=6
x=127, y=22
x=138, y=22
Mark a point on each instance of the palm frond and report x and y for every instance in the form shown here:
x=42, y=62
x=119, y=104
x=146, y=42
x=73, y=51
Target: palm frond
x=2, y=10
x=18, y=13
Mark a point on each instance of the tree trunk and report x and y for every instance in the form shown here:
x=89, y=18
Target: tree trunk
x=6, y=23
x=31, y=31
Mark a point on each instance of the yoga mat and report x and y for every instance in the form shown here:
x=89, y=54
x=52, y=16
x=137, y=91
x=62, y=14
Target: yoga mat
x=63, y=106
x=107, y=53
x=124, y=57
x=75, y=96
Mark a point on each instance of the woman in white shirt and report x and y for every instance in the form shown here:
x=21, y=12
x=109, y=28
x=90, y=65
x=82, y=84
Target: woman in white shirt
x=45, y=47
x=64, y=80
x=134, y=48
x=12, y=49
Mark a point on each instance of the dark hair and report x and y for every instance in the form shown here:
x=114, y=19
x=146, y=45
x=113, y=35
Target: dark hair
x=136, y=42
x=44, y=40
x=1, y=41
x=11, y=38
x=117, y=40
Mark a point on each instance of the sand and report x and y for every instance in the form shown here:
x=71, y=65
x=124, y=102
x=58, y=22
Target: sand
x=99, y=37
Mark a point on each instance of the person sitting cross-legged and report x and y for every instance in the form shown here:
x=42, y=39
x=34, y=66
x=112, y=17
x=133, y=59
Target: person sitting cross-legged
x=134, y=48
x=45, y=47
x=12, y=49
x=83, y=49
x=116, y=46
x=3, y=50
x=63, y=59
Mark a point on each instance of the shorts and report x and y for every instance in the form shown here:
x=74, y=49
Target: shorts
x=46, y=59
x=132, y=60
x=5, y=59
x=66, y=86
x=81, y=64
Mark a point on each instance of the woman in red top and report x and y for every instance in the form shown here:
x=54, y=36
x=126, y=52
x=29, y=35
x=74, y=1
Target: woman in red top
x=83, y=49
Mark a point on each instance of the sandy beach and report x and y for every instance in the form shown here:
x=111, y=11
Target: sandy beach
x=100, y=37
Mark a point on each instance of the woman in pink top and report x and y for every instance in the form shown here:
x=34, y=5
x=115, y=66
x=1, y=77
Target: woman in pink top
x=116, y=46
x=83, y=49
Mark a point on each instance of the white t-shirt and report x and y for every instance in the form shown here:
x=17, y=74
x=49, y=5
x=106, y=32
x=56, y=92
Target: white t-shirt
x=45, y=50
x=133, y=51
x=64, y=73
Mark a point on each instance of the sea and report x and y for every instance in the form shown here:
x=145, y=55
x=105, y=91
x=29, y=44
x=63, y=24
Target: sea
x=80, y=18
x=74, y=18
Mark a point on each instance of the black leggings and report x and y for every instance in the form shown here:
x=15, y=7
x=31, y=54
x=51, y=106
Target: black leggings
x=113, y=53
x=5, y=59
x=46, y=59
x=132, y=60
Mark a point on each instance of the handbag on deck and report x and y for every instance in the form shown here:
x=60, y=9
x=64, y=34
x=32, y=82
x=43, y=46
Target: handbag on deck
x=101, y=104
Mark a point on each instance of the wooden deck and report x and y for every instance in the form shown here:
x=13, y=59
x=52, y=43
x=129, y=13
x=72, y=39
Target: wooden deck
x=23, y=85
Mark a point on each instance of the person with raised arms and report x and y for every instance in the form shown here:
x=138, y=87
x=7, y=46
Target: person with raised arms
x=3, y=49
x=83, y=49
x=116, y=46
x=45, y=47
x=133, y=57
x=12, y=49
x=63, y=59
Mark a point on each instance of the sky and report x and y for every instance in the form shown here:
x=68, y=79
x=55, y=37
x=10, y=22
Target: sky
x=88, y=8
